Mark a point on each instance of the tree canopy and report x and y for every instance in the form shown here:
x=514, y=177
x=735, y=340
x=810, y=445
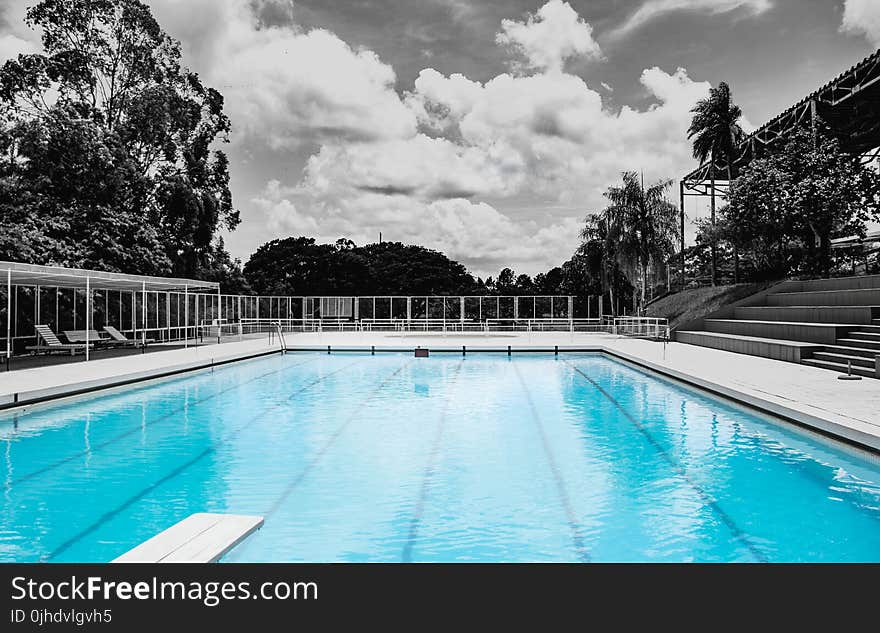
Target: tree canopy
x=638, y=229
x=786, y=208
x=301, y=266
x=107, y=156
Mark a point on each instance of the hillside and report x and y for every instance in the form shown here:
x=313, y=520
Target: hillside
x=695, y=303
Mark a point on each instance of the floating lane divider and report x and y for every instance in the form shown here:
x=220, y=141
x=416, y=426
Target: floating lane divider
x=199, y=538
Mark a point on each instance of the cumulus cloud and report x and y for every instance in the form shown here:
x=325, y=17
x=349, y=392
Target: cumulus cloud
x=550, y=36
x=420, y=166
x=284, y=85
x=468, y=231
x=862, y=17
x=547, y=135
x=653, y=9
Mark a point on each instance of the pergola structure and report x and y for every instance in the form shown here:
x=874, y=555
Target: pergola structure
x=849, y=106
x=130, y=308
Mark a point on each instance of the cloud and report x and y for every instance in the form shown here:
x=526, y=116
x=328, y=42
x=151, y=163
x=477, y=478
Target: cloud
x=547, y=38
x=421, y=167
x=862, y=17
x=283, y=85
x=15, y=36
x=547, y=135
x=12, y=46
x=473, y=232
x=653, y=9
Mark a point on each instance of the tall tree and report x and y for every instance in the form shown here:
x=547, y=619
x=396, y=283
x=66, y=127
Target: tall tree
x=597, y=258
x=786, y=208
x=715, y=133
x=107, y=145
x=643, y=227
x=506, y=282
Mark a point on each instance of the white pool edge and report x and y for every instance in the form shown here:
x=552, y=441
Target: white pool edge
x=847, y=430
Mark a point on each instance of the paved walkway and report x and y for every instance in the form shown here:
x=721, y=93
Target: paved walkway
x=810, y=396
x=45, y=382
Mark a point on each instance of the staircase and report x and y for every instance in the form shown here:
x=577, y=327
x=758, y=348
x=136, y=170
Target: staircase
x=827, y=323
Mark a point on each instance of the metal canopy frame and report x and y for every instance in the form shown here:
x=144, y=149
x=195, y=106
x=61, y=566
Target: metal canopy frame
x=849, y=105
x=58, y=277
x=16, y=274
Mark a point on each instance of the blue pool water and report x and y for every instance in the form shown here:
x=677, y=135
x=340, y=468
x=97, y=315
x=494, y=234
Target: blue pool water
x=389, y=458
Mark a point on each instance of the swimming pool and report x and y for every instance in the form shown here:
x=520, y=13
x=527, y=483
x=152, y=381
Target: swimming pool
x=353, y=457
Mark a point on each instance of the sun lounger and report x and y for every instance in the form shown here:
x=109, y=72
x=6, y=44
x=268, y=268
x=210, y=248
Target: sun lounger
x=91, y=336
x=48, y=343
x=122, y=339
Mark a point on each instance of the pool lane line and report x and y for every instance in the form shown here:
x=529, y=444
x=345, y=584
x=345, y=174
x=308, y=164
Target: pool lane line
x=574, y=526
x=705, y=497
x=428, y=475
x=110, y=514
x=769, y=432
x=140, y=427
x=288, y=490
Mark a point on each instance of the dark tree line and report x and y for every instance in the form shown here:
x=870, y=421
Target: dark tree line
x=301, y=266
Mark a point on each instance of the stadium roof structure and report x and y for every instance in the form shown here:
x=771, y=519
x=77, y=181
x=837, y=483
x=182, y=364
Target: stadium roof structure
x=848, y=105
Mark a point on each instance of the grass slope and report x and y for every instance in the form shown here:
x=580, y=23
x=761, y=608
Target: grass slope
x=696, y=303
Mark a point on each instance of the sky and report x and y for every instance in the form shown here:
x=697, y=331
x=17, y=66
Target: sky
x=486, y=129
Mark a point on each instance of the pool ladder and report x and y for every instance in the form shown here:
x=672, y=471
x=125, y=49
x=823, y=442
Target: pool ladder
x=280, y=331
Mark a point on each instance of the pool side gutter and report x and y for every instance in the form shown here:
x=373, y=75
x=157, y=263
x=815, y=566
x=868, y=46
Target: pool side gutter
x=26, y=398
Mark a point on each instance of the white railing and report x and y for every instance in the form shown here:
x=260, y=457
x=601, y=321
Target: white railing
x=627, y=326
x=638, y=327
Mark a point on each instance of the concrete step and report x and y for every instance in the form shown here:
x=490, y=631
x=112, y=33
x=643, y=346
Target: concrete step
x=823, y=333
x=851, y=350
x=864, y=336
x=868, y=329
x=861, y=315
x=857, y=361
x=791, y=351
x=856, y=342
x=840, y=283
x=841, y=368
x=859, y=297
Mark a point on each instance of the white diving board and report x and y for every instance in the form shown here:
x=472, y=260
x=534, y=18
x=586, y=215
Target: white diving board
x=199, y=538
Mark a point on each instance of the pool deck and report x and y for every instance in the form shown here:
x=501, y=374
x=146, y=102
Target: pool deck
x=31, y=386
x=806, y=395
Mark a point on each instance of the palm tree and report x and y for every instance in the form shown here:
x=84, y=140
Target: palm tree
x=715, y=133
x=596, y=229
x=641, y=227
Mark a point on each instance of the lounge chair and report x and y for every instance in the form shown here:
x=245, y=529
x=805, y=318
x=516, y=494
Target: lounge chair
x=91, y=336
x=48, y=343
x=122, y=339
